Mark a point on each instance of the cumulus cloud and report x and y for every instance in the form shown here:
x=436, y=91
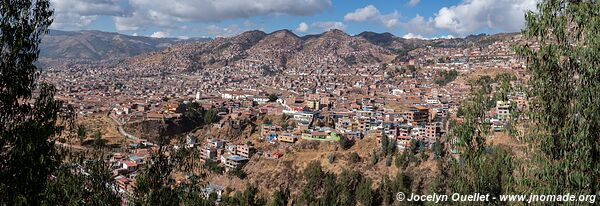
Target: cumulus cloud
x=71, y=21
x=445, y=37
x=371, y=13
x=391, y=20
x=160, y=34
x=152, y=12
x=419, y=25
x=413, y=36
x=413, y=3
x=362, y=14
x=329, y=25
x=226, y=31
x=80, y=13
x=474, y=15
x=302, y=27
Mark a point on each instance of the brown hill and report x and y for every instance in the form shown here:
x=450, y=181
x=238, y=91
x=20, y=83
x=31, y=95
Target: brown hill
x=284, y=49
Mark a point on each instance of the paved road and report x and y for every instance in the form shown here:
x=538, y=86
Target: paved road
x=79, y=147
x=121, y=130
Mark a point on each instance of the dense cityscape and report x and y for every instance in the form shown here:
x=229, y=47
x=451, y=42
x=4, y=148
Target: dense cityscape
x=213, y=103
x=406, y=102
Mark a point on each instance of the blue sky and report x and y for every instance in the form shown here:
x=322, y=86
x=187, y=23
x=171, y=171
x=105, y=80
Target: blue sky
x=211, y=18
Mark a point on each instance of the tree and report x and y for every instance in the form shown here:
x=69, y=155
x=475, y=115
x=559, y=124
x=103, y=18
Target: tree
x=480, y=167
x=213, y=167
x=364, y=193
x=97, y=136
x=238, y=172
x=280, y=197
x=354, y=157
x=374, y=158
x=438, y=148
x=388, y=161
x=446, y=77
x=249, y=197
x=564, y=95
x=153, y=184
x=27, y=123
x=74, y=187
x=503, y=91
x=385, y=141
x=314, y=176
x=345, y=142
x=81, y=132
x=210, y=116
x=273, y=97
x=403, y=159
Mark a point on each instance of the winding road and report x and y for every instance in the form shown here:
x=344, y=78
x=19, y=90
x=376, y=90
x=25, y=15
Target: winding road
x=121, y=130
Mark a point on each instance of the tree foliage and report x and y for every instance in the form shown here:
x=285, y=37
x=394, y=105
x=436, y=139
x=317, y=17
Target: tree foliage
x=345, y=142
x=479, y=167
x=565, y=71
x=89, y=182
x=446, y=77
x=28, y=122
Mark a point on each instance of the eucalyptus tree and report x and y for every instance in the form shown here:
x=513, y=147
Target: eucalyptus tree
x=564, y=62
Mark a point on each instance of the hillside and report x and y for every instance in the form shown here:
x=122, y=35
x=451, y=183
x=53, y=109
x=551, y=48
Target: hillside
x=98, y=45
x=284, y=49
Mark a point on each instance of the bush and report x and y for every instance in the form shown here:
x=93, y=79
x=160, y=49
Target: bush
x=331, y=158
x=238, y=173
x=446, y=77
x=354, y=158
x=214, y=167
x=273, y=97
x=346, y=143
x=388, y=161
x=374, y=158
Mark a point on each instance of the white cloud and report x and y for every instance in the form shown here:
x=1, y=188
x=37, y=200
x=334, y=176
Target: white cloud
x=329, y=25
x=80, y=13
x=371, y=13
x=227, y=31
x=444, y=37
x=419, y=25
x=413, y=3
x=302, y=27
x=413, y=36
x=391, y=20
x=474, y=15
x=160, y=34
x=153, y=12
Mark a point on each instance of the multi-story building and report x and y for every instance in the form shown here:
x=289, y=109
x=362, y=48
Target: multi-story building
x=313, y=104
x=235, y=162
x=432, y=131
x=269, y=131
x=503, y=110
x=417, y=115
x=390, y=130
x=208, y=153
x=245, y=151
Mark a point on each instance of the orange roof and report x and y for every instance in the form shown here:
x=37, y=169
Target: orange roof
x=421, y=107
x=131, y=164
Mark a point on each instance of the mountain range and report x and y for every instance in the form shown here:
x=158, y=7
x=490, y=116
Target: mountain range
x=282, y=48
x=97, y=45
